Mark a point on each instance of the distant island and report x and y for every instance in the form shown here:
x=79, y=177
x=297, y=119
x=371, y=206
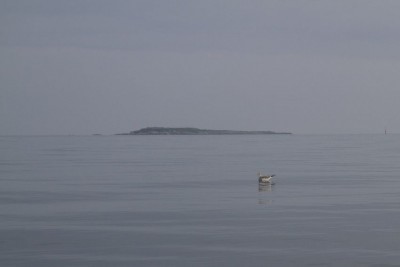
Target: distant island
x=193, y=131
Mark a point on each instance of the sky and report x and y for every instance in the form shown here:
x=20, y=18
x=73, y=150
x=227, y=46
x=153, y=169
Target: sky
x=100, y=66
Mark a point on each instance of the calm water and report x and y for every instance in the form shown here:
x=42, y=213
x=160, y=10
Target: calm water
x=195, y=201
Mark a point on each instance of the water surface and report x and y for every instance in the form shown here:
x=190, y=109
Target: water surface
x=195, y=200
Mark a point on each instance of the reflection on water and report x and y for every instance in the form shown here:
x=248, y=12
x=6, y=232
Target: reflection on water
x=265, y=187
x=264, y=201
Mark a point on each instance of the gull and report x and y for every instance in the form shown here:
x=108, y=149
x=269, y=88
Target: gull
x=265, y=178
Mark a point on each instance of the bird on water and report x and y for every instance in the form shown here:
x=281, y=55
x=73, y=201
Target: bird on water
x=265, y=178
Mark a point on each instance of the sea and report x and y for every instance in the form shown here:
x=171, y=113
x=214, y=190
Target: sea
x=180, y=201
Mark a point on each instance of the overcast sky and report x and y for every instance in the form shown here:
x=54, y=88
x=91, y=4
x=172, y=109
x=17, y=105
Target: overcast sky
x=102, y=66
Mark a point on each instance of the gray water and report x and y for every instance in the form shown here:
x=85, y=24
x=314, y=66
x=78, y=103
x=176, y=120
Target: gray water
x=195, y=201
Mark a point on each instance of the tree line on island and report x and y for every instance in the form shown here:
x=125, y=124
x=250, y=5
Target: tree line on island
x=193, y=131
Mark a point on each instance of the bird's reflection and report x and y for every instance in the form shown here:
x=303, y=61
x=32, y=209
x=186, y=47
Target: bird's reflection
x=265, y=202
x=265, y=187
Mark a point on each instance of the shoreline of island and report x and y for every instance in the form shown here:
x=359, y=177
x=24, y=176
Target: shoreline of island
x=194, y=131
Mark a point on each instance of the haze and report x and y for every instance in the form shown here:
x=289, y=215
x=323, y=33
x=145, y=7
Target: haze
x=98, y=66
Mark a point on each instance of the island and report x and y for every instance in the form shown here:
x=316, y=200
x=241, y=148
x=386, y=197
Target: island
x=194, y=131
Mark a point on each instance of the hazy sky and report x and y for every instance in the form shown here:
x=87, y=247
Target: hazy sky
x=102, y=66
